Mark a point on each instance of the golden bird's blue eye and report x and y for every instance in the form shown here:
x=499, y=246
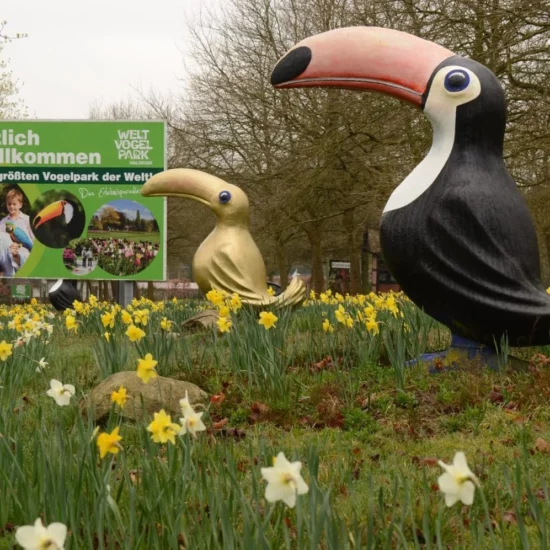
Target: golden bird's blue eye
x=224, y=197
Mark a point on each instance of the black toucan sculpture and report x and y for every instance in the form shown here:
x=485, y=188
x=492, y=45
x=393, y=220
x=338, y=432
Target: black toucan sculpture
x=63, y=293
x=456, y=233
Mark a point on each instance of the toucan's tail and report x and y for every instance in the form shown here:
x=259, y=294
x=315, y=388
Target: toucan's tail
x=294, y=294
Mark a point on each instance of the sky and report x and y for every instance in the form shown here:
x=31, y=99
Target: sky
x=81, y=52
x=129, y=208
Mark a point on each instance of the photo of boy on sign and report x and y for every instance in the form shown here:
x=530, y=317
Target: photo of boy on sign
x=16, y=236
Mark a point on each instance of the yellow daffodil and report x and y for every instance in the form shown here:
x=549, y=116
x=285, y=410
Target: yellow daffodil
x=224, y=324
x=5, y=350
x=223, y=311
x=163, y=429
x=215, y=297
x=372, y=326
x=146, y=368
x=109, y=443
x=71, y=324
x=135, y=333
x=327, y=327
x=267, y=319
x=108, y=320
x=236, y=303
x=119, y=397
x=107, y=336
x=370, y=311
x=126, y=317
x=141, y=316
x=166, y=325
x=270, y=291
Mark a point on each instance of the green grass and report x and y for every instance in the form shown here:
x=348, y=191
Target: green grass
x=135, y=236
x=368, y=436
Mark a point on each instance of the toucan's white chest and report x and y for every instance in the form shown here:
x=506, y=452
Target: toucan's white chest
x=425, y=174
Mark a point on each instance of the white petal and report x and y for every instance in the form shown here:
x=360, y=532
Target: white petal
x=271, y=475
x=467, y=491
x=52, y=393
x=63, y=400
x=57, y=532
x=56, y=384
x=447, y=467
x=451, y=499
x=276, y=491
x=459, y=462
x=281, y=461
x=70, y=388
x=27, y=537
x=290, y=500
x=447, y=483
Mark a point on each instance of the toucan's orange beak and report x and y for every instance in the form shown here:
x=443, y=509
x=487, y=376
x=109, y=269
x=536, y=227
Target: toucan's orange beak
x=362, y=58
x=49, y=212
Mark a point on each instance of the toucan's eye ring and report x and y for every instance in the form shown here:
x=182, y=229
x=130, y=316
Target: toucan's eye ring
x=224, y=197
x=457, y=80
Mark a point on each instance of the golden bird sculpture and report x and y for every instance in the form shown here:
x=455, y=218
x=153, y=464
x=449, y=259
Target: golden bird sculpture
x=228, y=259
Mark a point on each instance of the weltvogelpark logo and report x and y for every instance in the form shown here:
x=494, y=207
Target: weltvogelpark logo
x=71, y=204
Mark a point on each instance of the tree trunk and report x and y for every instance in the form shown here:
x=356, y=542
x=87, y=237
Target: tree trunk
x=545, y=261
x=137, y=294
x=354, y=251
x=150, y=290
x=114, y=289
x=313, y=232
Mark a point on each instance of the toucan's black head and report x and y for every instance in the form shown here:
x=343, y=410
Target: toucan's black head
x=468, y=92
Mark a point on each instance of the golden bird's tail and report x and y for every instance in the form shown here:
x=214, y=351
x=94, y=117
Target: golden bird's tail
x=294, y=294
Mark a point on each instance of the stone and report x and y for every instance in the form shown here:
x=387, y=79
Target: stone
x=159, y=393
x=203, y=320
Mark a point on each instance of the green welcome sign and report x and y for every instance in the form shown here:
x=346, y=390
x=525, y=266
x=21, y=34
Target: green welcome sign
x=71, y=204
x=21, y=291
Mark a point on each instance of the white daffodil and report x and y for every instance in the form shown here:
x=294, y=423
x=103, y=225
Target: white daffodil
x=42, y=364
x=11, y=324
x=185, y=405
x=35, y=537
x=458, y=482
x=284, y=481
x=192, y=423
x=27, y=337
x=62, y=393
x=49, y=328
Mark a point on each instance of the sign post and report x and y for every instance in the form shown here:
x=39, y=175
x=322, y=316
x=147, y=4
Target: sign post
x=71, y=204
x=339, y=276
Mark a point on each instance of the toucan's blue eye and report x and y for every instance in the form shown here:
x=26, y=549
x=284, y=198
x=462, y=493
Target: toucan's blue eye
x=456, y=81
x=224, y=197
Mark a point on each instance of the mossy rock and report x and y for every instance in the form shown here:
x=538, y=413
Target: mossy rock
x=142, y=399
x=204, y=320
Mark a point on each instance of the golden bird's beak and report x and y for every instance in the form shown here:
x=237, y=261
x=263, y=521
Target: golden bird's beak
x=53, y=210
x=184, y=183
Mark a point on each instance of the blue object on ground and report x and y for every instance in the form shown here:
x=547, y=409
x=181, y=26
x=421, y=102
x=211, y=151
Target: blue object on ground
x=461, y=349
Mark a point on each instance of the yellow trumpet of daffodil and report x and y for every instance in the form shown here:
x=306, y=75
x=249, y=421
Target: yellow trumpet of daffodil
x=146, y=368
x=119, y=397
x=109, y=443
x=163, y=429
x=267, y=319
